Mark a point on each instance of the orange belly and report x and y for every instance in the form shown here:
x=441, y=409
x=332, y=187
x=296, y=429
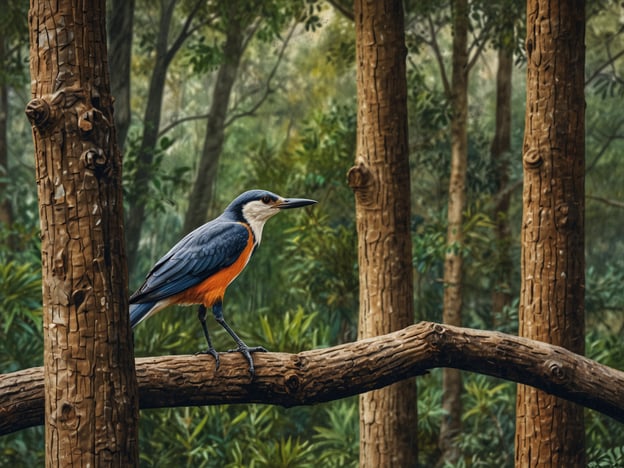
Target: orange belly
x=212, y=289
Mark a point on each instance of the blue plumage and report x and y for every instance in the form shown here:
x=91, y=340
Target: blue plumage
x=199, y=255
x=139, y=311
x=199, y=267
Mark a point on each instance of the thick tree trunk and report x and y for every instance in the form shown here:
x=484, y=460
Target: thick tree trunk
x=453, y=262
x=201, y=194
x=120, y=32
x=381, y=182
x=91, y=402
x=501, y=145
x=549, y=431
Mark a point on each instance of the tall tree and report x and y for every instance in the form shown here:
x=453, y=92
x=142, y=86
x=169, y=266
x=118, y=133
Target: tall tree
x=550, y=431
x=201, y=193
x=381, y=182
x=120, y=33
x=13, y=34
x=6, y=213
x=91, y=401
x=453, y=261
x=165, y=50
x=501, y=145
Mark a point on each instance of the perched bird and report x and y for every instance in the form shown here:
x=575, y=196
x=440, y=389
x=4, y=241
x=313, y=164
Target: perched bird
x=199, y=268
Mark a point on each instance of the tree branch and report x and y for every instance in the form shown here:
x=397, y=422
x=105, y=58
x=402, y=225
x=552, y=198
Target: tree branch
x=267, y=87
x=608, y=63
x=328, y=374
x=433, y=43
x=607, y=201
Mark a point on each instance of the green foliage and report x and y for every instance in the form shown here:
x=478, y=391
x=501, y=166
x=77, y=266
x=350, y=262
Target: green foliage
x=301, y=289
x=168, y=181
x=337, y=441
x=291, y=334
x=204, y=57
x=606, y=458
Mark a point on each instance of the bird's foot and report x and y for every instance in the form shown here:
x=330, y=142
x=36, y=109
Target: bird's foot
x=213, y=352
x=246, y=351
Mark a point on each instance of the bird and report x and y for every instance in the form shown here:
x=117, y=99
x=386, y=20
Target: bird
x=198, y=269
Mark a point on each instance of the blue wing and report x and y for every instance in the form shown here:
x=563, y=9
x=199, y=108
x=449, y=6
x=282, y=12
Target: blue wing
x=197, y=256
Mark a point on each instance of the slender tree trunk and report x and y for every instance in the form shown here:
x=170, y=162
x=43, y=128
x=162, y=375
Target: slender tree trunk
x=202, y=191
x=380, y=180
x=151, y=124
x=120, y=34
x=501, y=145
x=550, y=431
x=91, y=401
x=453, y=262
x=6, y=215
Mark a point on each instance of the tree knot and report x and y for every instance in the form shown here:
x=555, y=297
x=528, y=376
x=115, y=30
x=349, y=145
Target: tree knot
x=292, y=382
x=437, y=336
x=361, y=179
x=556, y=370
x=532, y=159
x=38, y=113
x=94, y=159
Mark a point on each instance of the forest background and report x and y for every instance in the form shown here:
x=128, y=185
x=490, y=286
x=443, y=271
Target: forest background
x=288, y=125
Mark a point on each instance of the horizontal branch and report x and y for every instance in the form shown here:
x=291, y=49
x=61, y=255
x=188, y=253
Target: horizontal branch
x=329, y=374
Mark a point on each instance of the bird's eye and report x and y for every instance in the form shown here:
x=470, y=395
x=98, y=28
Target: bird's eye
x=266, y=199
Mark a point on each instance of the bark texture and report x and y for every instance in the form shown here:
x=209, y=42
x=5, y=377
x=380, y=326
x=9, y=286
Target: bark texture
x=380, y=180
x=453, y=261
x=202, y=191
x=328, y=374
x=550, y=431
x=91, y=402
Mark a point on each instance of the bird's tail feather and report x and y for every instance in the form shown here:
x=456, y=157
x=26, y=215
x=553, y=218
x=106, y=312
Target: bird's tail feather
x=139, y=312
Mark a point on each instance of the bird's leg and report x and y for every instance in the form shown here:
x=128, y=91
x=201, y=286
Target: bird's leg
x=245, y=350
x=201, y=315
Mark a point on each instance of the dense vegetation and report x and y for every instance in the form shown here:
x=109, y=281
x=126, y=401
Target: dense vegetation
x=300, y=291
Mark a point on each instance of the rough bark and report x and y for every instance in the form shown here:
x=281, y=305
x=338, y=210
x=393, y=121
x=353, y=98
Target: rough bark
x=453, y=262
x=380, y=180
x=120, y=33
x=550, y=431
x=202, y=191
x=91, y=403
x=501, y=145
x=328, y=374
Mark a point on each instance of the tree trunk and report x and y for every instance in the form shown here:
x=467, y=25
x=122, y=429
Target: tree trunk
x=120, y=34
x=138, y=196
x=501, y=145
x=453, y=262
x=91, y=401
x=6, y=214
x=201, y=194
x=550, y=431
x=381, y=182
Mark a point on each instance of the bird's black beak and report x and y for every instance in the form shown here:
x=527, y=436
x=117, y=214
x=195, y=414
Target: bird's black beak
x=294, y=203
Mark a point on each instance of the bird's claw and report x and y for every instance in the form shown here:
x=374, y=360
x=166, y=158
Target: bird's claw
x=213, y=352
x=246, y=351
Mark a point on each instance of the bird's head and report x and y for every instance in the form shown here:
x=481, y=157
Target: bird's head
x=255, y=207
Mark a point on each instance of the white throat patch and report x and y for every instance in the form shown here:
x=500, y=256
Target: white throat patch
x=257, y=213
